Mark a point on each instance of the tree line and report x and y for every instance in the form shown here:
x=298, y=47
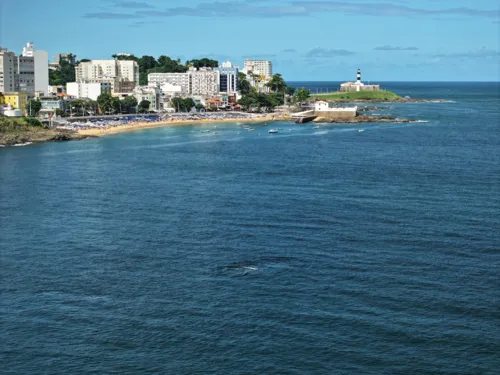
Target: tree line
x=279, y=93
x=147, y=64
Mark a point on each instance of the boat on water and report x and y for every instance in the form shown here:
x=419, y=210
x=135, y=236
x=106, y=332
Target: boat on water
x=273, y=131
x=361, y=130
x=316, y=127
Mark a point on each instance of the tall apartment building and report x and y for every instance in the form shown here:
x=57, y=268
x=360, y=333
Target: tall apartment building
x=203, y=81
x=26, y=69
x=228, y=77
x=259, y=67
x=40, y=64
x=9, y=77
x=122, y=74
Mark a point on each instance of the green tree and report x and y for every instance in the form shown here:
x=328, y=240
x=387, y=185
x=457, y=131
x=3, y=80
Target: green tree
x=182, y=105
x=116, y=106
x=64, y=73
x=105, y=103
x=125, y=57
x=147, y=62
x=203, y=63
x=277, y=83
x=168, y=65
x=129, y=103
x=33, y=107
x=60, y=112
x=302, y=94
x=144, y=106
x=243, y=85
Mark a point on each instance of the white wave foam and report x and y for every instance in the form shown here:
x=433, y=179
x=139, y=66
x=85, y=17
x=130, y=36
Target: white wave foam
x=22, y=144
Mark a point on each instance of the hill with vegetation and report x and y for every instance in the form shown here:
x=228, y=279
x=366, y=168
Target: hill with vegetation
x=376, y=96
x=24, y=129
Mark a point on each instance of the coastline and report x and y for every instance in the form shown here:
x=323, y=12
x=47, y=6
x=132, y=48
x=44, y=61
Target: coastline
x=97, y=132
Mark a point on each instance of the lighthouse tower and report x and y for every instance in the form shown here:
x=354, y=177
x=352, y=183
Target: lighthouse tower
x=358, y=83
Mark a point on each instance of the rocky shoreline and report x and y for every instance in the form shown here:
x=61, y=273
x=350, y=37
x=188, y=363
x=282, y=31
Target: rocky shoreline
x=362, y=119
x=39, y=135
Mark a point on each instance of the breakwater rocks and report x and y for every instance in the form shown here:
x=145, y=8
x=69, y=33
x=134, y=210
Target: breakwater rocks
x=362, y=119
x=370, y=108
x=39, y=135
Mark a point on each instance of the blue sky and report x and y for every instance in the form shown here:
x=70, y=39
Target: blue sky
x=390, y=40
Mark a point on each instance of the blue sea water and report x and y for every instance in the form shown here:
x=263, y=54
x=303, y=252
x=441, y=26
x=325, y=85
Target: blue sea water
x=310, y=251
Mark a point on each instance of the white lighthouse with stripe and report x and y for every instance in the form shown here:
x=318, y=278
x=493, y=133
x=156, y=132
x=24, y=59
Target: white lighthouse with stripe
x=358, y=81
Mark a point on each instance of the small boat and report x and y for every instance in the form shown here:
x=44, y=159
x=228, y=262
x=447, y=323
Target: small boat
x=273, y=131
x=361, y=130
x=316, y=127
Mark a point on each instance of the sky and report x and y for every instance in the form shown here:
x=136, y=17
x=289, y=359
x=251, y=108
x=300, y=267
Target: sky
x=307, y=40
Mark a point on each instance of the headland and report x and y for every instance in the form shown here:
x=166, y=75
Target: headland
x=18, y=131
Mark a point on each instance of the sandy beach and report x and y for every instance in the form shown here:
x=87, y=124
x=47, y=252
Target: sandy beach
x=147, y=125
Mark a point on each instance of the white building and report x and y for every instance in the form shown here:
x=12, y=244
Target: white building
x=41, y=67
x=259, y=67
x=151, y=93
x=169, y=90
x=123, y=74
x=324, y=106
x=9, y=77
x=203, y=81
x=181, y=80
x=358, y=85
x=87, y=90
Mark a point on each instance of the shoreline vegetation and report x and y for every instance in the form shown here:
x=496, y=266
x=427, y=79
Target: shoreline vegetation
x=358, y=96
x=16, y=131
x=382, y=96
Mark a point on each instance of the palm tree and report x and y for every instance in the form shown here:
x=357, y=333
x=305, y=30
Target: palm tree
x=277, y=83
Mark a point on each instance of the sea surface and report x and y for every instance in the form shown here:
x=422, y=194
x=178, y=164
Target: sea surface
x=312, y=251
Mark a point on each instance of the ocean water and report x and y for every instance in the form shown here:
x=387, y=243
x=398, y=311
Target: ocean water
x=311, y=251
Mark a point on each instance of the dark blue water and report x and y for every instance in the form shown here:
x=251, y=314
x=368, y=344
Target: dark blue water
x=311, y=251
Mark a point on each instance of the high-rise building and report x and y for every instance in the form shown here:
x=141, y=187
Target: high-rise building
x=228, y=77
x=259, y=67
x=26, y=68
x=9, y=77
x=203, y=81
x=41, y=67
x=124, y=74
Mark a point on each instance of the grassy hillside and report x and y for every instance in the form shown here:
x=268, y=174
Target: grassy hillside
x=19, y=124
x=359, y=95
x=23, y=129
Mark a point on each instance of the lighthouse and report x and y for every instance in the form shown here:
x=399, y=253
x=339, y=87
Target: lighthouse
x=358, y=81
